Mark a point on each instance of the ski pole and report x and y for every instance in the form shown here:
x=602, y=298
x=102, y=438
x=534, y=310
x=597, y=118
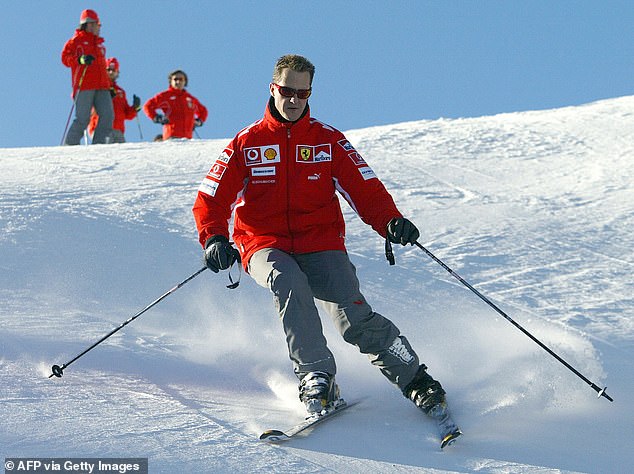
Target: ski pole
x=58, y=371
x=70, y=114
x=601, y=391
x=138, y=122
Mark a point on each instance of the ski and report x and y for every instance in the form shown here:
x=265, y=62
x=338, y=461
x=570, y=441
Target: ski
x=275, y=436
x=448, y=429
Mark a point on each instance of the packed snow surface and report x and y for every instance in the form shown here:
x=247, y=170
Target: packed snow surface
x=534, y=209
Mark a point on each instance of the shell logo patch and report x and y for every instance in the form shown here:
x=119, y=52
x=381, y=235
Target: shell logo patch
x=270, y=154
x=259, y=155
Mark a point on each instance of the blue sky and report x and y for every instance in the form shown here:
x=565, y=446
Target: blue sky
x=378, y=62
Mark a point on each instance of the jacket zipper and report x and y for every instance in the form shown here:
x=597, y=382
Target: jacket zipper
x=288, y=192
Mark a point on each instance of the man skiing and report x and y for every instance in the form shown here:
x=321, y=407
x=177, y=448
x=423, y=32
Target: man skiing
x=85, y=54
x=279, y=176
x=181, y=111
x=122, y=110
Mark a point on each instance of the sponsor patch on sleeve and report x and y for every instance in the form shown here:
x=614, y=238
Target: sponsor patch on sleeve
x=346, y=145
x=260, y=155
x=226, y=155
x=356, y=158
x=367, y=172
x=209, y=186
x=217, y=170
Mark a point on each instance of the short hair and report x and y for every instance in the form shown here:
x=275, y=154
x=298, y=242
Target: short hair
x=295, y=63
x=173, y=73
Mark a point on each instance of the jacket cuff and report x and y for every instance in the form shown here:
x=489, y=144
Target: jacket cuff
x=216, y=238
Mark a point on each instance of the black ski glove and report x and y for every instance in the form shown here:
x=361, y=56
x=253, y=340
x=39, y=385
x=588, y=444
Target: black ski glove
x=113, y=92
x=219, y=253
x=86, y=59
x=401, y=231
x=198, y=123
x=160, y=119
x=136, y=102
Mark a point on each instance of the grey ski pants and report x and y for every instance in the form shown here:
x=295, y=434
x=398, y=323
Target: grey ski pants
x=117, y=136
x=330, y=277
x=86, y=100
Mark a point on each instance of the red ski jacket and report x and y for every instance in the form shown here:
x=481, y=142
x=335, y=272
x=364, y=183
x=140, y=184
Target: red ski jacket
x=122, y=111
x=281, y=178
x=180, y=107
x=95, y=76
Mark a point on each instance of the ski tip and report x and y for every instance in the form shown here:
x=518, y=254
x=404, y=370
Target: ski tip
x=273, y=435
x=450, y=438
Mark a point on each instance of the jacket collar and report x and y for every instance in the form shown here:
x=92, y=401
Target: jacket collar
x=275, y=121
x=174, y=90
x=88, y=36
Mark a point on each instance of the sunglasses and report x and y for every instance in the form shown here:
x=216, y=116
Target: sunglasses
x=290, y=92
x=178, y=79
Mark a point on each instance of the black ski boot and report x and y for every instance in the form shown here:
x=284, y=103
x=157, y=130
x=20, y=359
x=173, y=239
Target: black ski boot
x=318, y=390
x=428, y=395
x=424, y=391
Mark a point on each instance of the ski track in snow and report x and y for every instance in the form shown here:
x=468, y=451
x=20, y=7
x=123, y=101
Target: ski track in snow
x=534, y=209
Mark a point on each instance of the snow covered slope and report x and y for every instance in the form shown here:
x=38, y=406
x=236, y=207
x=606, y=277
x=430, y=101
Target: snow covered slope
x=535, y=209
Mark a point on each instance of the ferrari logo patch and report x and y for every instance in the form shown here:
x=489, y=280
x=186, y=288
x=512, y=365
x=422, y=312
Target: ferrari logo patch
x=314, y=153
x=306, y=153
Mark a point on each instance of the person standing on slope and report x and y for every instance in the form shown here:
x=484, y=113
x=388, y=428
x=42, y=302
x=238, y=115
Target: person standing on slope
x=181, y=111
x=279, y=178
x=85, y=54
x=122, y=110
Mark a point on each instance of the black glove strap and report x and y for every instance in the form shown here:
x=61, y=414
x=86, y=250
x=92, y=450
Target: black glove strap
x=388, y=251
x=233, y=285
